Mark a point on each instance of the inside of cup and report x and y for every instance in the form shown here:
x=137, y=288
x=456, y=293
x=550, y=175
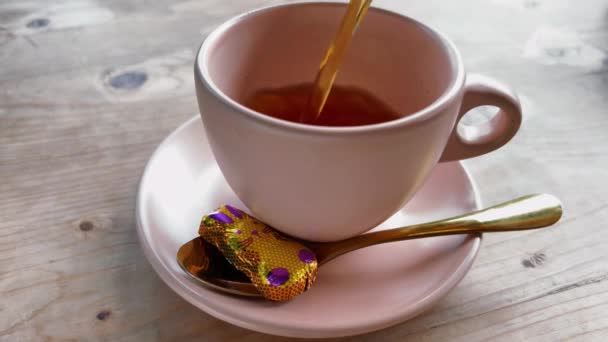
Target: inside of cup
x=402, y=63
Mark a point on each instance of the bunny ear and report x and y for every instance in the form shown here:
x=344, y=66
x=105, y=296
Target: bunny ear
x=234, y=211
x=221, y=217
x=226, y=214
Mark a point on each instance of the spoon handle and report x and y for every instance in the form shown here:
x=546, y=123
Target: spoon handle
x=528, y=212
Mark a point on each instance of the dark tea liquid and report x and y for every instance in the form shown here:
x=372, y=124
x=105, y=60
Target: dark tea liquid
x=321, y=103
x=345, y=106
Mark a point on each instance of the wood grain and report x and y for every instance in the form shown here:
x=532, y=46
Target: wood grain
x=88, y=88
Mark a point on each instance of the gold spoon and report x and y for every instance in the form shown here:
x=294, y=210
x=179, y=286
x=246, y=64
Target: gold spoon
x=206, y=264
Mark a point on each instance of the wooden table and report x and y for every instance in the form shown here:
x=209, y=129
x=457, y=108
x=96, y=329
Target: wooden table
x=88, y=88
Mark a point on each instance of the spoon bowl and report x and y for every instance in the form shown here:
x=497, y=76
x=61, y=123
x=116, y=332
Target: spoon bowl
x=207, y=265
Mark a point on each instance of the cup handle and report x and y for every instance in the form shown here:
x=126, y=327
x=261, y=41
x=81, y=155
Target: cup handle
x=475, y=140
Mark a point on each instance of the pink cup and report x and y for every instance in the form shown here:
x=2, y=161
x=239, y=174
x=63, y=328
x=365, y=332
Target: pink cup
x=331, y=183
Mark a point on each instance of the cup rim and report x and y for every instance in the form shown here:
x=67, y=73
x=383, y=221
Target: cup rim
x=440, y=103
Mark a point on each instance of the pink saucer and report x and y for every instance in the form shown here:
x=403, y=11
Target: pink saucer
x=362, y=291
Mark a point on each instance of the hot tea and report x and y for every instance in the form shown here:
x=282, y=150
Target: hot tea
x=320, y=103
x=345, y=106
x=328, y=70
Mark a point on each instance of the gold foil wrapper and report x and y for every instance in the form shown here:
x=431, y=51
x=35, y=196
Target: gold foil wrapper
x=279, y=267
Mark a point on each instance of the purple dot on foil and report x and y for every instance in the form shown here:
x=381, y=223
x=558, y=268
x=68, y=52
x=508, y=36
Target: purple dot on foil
x=238, y=232
x=255, y=232
x=306, y=256
x=221, y=217
x=278, y=276
x=234, y=211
